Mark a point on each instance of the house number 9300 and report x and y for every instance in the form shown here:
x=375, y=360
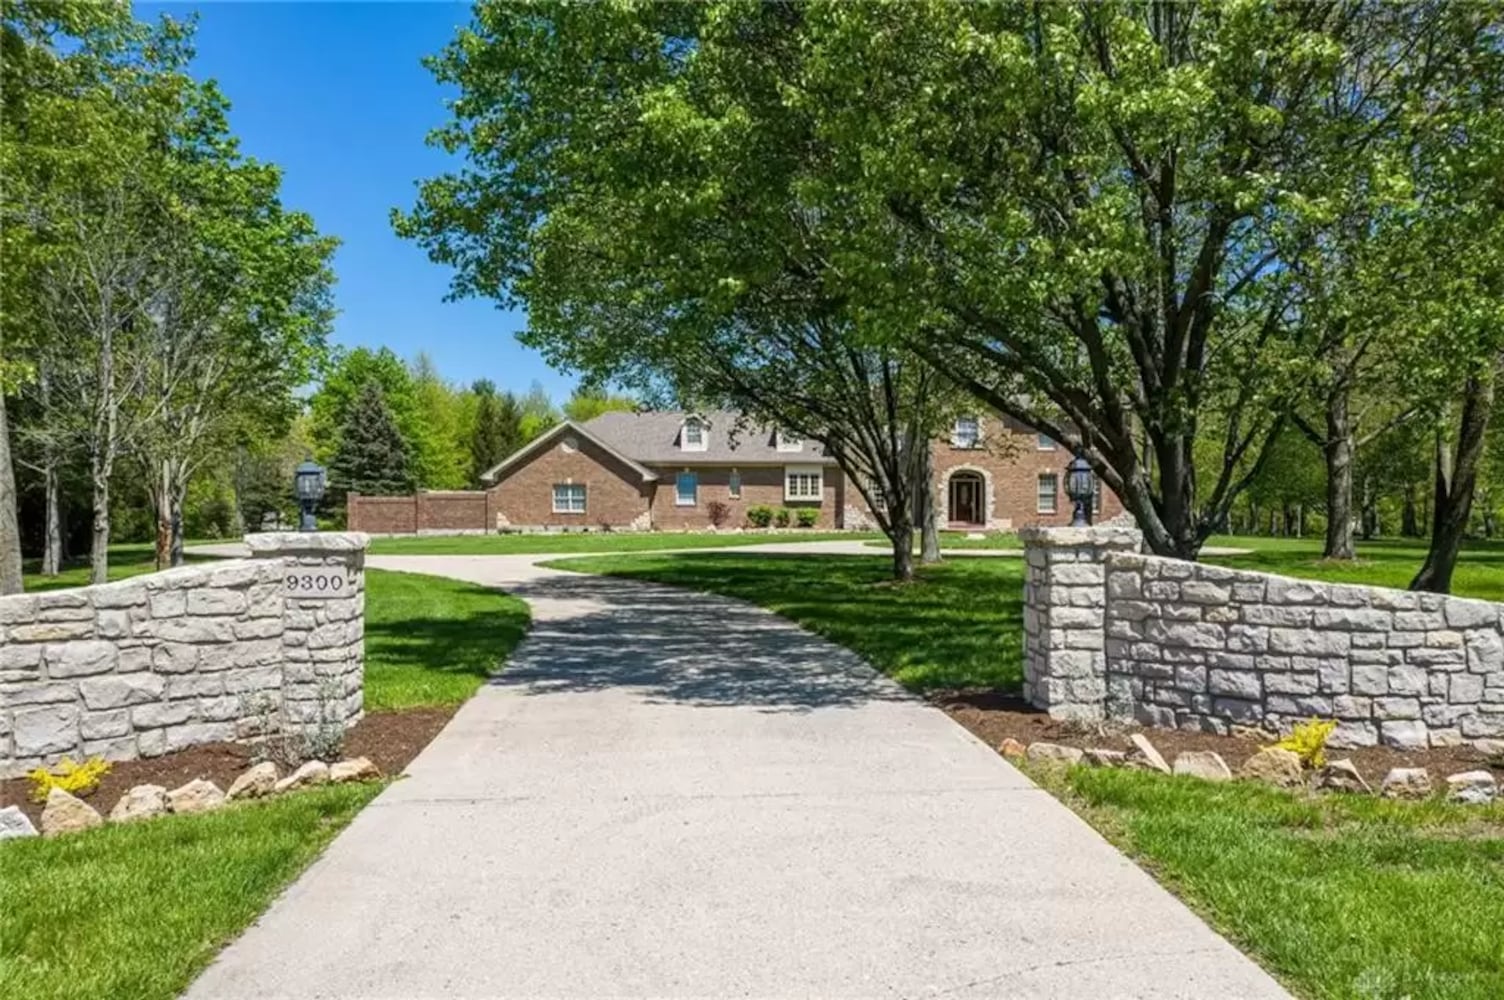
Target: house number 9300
x=316, y=583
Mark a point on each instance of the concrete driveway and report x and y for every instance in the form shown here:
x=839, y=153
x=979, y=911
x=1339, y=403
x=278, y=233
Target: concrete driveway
x=672, y=795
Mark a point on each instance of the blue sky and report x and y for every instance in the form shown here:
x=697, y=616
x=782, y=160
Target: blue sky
x=334, y=93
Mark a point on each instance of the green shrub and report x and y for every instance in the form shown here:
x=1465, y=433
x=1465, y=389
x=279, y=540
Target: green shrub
x=759, y=517
x=807, y=516
x=781, y=518
x=1308, y=740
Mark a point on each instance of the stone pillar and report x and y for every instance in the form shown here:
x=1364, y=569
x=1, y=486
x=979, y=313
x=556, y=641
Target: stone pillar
x=1065, y=609
x=323, y=639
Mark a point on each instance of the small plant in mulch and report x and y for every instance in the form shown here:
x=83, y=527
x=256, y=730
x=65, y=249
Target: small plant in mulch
x=759, y=516
x=781, y=517
x=1308, y=741
x=71, y=776
x=718, y=512
x=807, y=516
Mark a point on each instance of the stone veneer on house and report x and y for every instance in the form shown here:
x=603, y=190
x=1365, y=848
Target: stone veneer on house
x=1193, y=646
x=193, y=655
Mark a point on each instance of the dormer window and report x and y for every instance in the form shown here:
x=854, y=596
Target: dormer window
x=788, y=441
x=692, y=435
x=967, y=433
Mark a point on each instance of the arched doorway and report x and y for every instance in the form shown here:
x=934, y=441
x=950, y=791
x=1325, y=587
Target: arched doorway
x=966, y=499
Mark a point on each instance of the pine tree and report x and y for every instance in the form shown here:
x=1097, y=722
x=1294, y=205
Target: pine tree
x=498, y=428
x=372, y=457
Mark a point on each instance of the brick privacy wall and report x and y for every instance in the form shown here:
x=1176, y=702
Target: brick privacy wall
x=452, y=511
x=1202, y=647
x=1191, y=646
x=381, y=515
x=762, y=485
x=1009, y=462
x=194, y=655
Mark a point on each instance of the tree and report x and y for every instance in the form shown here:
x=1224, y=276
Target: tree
x=588, y=402
x=497, y=430
x=442, y=433
x=538, y=412
x=371, y=456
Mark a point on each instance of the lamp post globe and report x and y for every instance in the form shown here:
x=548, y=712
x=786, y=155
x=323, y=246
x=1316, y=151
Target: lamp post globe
x=1080, y=486
x=308, y=481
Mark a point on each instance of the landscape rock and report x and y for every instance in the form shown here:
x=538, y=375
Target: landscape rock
x=197, y=796
x=1053, y=753
x=255, y=782
x=1476, y=788
x=357, y=769
x=1342, y=776
x=1205, y=764
x=66, y=813
x=315, y=772
x=1011, y=748
x=1406, y=783
x=1144, y=757
x=141, y=802
x=1099, y=757
x=1492, y=749
x=1275, y=766
x=15, y=823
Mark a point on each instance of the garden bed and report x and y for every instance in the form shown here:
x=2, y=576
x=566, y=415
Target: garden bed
x=994, y=717
x=389, y=739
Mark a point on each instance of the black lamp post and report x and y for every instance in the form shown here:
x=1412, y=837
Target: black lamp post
x=308, y=486
x=1080, y=487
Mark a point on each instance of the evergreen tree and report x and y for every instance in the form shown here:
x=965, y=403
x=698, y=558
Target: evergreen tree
x=372, y=456
x=498, y=427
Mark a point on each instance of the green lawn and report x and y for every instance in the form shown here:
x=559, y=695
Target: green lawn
x=136, y=910
x=1380, y=563
x=537, y=543
x=959, y=625
x=1006, y=540
x=433, y=641
x=126, y=560
x=1338, y=896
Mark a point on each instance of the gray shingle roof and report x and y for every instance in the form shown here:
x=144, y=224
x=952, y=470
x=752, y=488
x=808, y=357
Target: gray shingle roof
x=653, y=438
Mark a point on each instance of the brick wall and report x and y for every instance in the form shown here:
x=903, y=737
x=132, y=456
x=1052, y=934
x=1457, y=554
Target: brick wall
x=451, y=512
x=761, y=486
x=189, y=656
x=381, y=515
x=614, y=493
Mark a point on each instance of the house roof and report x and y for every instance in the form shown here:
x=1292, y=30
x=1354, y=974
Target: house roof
x=547, y=438
x=653, y=438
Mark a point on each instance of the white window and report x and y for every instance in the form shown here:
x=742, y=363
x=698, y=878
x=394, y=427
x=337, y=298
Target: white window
x=569, y=498
x=1049, y=486
x=1046, y=443
x=968, y=432
x=686, y=489
x=789, y=441
x=734, y=485
x=692, y=438
x=803, y=482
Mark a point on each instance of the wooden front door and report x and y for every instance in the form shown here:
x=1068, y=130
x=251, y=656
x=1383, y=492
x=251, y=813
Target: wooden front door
x=966, y=499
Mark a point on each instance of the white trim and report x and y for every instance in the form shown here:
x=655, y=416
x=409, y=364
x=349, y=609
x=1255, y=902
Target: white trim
x=1054, y=507
x=1043, y=442
x=704, y=427
x=787, y=442
x=548, y=436
x=956, y=440
x=694, y=500
x=802, y=471
x=569, y=508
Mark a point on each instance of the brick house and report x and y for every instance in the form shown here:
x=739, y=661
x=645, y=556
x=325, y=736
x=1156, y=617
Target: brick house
x=665, y=471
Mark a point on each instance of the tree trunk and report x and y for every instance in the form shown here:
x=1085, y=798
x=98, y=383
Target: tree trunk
x=161, y=497
x=176, y=498
x=1456, y=479
x=1338, y=452
x=52, y=541
x=901, y=534
x=924, y=495
x=10, y=528
x=1368, y=519
x=1409, y=523
x=102, y=460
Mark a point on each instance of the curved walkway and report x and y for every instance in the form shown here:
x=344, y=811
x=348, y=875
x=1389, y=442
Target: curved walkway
x=672, y=794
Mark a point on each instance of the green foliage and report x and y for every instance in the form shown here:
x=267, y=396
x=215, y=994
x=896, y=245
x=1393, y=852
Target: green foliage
x=807, y=516
x=70, y=776
x=587, y=403
x=496, y=430
x=1308, y=740
x=760, y=516
x=371, y=455
x=781, y=517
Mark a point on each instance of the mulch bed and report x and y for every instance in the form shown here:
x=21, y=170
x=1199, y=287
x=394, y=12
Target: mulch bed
x=390, y=739
x=994, y=717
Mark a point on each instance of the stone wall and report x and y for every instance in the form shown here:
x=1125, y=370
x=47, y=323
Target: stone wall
x=1193, y=646
x=194, y=655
